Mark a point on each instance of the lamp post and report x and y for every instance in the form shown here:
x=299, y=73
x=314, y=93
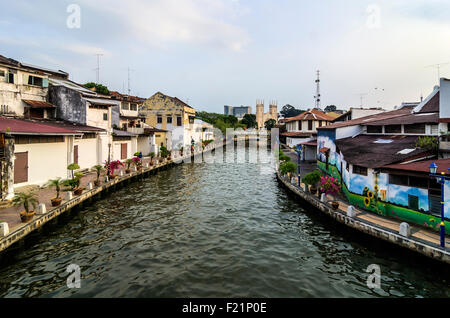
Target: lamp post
x=299, y=150
x=109, y=160
x=441, y=178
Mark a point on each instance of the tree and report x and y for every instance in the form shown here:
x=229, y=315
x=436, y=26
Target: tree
x=330, y=108
x=270, y=124
x=249, y=120
x=99, y=88
x=290, y=111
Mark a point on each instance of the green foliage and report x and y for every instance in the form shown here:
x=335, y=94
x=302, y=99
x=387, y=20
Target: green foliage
x=221, y=122
x=152, y=155
x=288, y=167
x=164, y=152
x=249, y=121
x=56, y=183
x=312, y=178
x=429, y=143
x=270, y=124
x=99, y=88
x=98, y=169
x=290, y=111
x=26, y=199
x=283, y=157
x=73, y=183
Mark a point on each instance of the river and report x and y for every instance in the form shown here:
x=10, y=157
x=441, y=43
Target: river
x=211, y=230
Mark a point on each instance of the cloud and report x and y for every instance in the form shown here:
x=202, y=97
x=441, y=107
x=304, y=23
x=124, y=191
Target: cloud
x=165, y=22
x=84, y=49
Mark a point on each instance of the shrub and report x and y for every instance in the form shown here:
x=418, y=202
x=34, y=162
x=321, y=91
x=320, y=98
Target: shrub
x=312, y=178
x=27, y=200
x=288, y=167
x=330, y=186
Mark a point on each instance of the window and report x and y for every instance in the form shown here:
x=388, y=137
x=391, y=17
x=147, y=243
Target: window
x=125, y=106
x=179, y=121
x=133, y=107
x=374, y=129
x=159, y=120
x=105, y=116
x=413, y=202
x=320, y=123
x=11, y=78
x=300, y=125
x=2, y=73
x=169, y=119
x=393, y=129
x=360, y=170
x=398, y=179
x=415, y=129
x=34, y=80
x=191, y=119
x=347, y=167
x=310, y=125
x=23, y=140
x=417, y=182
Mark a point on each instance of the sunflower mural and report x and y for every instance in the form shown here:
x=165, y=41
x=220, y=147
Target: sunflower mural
x=371, y=199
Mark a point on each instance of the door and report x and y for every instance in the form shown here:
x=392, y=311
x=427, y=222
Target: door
x=75, y=154
x=123, y=152
x=21, y=167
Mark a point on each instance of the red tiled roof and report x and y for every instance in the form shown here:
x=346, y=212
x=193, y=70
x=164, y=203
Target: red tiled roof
x=365, y=120
x=444, y=120
x=422, y=166
x=313, y=114
x=38, y=103
x=419, y=118
x=310, y=143
x=21, y=126
x=324, y=150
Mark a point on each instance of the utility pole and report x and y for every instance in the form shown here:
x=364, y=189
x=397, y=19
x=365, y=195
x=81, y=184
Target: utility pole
x=438, y=67
x=98, y=68
x=129, y=85
x=317, y=97
x=361, y=96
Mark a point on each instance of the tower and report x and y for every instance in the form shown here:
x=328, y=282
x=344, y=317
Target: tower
x=260, y=113
x=273, y=111
x=317, y=97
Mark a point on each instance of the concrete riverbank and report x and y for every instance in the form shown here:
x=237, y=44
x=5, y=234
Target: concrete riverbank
x=420, y=240
x=18, y=231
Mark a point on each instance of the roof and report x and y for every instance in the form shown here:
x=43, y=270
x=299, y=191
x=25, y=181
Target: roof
x=313, y=114
x=367, y=119
x=297, y=134
x=30, y=127
x=422, y=166
x=47, y=70
x=378, y=151
x=419, y=118
x=127, y=98
x=175, y=100
x=8, y=61
x=71, y=126
x=123, y=133
x=153, y=130
x=37, y=103
x=310, y=143
x=429, y=104
x=102, y=101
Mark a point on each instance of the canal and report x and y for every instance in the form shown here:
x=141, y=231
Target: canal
x=211, y=230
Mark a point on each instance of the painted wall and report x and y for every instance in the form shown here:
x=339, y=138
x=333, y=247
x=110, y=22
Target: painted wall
x=87, y=152
x=444, y=95
x=69, y=104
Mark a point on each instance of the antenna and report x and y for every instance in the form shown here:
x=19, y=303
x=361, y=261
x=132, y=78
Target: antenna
x=129, y=87
x=98, y=68
x=361, y=96
x=317, y=97
x=438, y=67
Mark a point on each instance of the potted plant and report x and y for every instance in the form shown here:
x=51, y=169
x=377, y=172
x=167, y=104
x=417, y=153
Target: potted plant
x=152, y=155
x=98, y=169
x=181, y=151
x=288, y=168
x=29, y=202
x=57, y=183
x=128, y=163
x=137, y=162
x=330, y=186
x=312, y=179
x=74, y=184
x=114, y=165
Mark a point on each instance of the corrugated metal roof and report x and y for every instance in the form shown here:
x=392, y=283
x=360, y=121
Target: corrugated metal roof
x=378, y=151
x=422, y=166
x=38, y=103
x=22, y=126
x=419, y=118
x=313, y=114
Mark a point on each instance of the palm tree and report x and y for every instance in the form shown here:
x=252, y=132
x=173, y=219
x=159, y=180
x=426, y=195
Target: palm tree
x=27, y=200
x=98, y=169
x=57, y=183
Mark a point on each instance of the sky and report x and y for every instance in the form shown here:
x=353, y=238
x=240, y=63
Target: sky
x=212, y=53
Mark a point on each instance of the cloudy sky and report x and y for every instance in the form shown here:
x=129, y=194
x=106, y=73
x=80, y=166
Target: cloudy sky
x=232, y=52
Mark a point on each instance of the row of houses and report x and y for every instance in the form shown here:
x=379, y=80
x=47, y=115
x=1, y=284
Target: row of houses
x=51, y=122
x=378, y=157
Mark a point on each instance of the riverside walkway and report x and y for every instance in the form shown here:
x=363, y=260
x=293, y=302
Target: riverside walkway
x=422, y=240
x=18, y=230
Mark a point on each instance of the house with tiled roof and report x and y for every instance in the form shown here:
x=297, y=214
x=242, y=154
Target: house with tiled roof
x=367, y=154
x=302, y=130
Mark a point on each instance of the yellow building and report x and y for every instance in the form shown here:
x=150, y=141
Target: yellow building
x=171, y=114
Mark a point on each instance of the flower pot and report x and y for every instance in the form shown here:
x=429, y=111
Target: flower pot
x=112, y=176
x=97, y=183
x=127, y=170
x=313, y=189
x=56, y=201
x=78, y=191
x=335, y=205
x=26, y=217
